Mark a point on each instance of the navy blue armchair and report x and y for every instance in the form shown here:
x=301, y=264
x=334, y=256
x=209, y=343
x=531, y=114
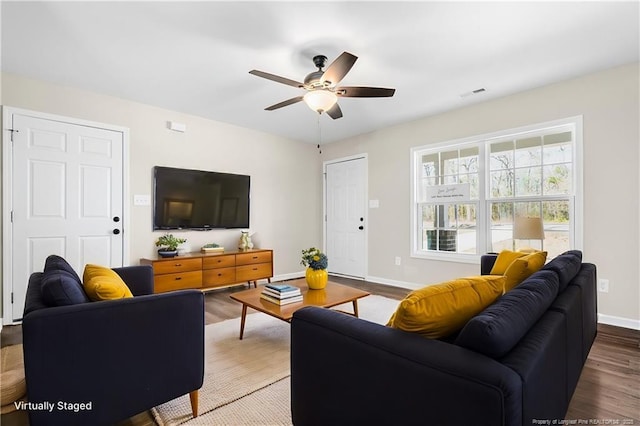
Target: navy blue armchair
x=97, y=363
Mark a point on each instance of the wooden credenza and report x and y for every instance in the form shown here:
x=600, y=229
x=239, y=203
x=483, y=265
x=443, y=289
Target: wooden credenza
x=207, y=271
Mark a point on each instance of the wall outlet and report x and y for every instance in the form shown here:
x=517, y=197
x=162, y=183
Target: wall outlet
x=603, y=285
x=142, y=200
x=398, y=260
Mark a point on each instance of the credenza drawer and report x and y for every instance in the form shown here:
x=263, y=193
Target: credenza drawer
x=222, y=261
x=177, y=265
x=253, y=272
x=177, y=281
x=218, y=276
x=251, y=258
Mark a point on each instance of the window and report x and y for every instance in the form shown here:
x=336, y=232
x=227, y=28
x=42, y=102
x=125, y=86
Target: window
x=467, y=194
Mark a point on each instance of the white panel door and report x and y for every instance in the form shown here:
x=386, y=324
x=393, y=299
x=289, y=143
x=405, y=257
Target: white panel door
x=345, y=221
x=66, y=198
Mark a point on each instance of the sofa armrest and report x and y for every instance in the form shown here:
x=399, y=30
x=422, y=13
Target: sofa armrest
x=124, y=356
x=139, y=279
x=486, y=263
x=366, y=373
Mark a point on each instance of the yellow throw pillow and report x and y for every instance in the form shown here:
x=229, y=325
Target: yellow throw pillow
x=521, y=268
x=535, y=261
x=102, y=283
x=515, y=273
x=439, y=310
x=505, y=258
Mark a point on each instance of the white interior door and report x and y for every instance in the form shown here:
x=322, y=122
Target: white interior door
x=66, y=198
x=345, y=202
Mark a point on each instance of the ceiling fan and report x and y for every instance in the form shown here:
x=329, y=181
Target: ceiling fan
x=322, y=92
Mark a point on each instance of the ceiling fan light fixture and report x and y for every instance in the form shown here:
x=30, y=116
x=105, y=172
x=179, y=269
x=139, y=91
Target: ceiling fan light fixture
x=320, y=100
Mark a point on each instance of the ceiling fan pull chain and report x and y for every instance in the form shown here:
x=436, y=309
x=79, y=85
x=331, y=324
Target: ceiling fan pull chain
x=319, y=133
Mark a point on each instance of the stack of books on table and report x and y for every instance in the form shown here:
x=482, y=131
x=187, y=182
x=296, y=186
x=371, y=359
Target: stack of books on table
x=281, y=294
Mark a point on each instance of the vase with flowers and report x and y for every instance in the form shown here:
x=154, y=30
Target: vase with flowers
x=316, y=263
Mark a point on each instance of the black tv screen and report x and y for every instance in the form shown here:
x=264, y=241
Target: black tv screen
x=195, y=199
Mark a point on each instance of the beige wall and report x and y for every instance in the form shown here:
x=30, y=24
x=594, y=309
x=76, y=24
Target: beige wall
x=285, y=175
x=609, y=104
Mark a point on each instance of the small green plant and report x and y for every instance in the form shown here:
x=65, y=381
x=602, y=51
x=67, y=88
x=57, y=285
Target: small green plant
x=314, y=259
x=169, y=242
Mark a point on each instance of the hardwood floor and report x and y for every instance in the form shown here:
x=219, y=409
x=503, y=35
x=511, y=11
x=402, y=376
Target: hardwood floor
x=608, y=391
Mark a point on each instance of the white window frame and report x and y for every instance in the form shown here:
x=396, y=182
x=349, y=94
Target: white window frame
x=483, y=217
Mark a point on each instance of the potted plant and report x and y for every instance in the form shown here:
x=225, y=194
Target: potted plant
x=168, y=245
x=316, y=263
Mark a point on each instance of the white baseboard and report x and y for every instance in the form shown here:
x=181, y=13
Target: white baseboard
x=394, y=283
x=285, y=277
x=619, y=321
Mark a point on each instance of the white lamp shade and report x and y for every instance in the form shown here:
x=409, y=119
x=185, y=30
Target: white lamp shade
x=320, y=100
x=528, y=228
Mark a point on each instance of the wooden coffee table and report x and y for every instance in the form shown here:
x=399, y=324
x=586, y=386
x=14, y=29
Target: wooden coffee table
x=333, y=294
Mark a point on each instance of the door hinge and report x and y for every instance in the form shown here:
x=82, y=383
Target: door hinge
x=11, y=219
x=11, y=297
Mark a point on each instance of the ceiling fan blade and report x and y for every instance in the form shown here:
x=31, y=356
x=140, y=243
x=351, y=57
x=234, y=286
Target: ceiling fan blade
x=364, y=92
x=338, y=68
x=335, y=112
x=284, y=103
x=276, y=78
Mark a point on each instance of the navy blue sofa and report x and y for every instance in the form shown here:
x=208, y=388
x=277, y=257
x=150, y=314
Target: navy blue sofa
x=517, y=361
x=97, y=363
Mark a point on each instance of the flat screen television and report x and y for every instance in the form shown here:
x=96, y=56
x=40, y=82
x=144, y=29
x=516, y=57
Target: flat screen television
x=196, y=199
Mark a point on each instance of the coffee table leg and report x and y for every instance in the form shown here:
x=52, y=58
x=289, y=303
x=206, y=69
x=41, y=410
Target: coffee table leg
x=355, y=308
x=244, y=316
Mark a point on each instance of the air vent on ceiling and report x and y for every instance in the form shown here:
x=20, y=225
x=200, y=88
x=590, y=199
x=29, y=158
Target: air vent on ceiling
x=473, y=92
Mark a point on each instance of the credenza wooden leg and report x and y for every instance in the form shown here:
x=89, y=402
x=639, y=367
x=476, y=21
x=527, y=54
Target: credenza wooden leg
x=193, y=397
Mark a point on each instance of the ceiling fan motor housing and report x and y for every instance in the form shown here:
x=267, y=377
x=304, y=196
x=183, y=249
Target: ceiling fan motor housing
x=312, y=80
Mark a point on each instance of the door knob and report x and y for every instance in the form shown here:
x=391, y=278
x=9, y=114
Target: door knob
x=116, y=219
x=116, y=231
x=361, y=227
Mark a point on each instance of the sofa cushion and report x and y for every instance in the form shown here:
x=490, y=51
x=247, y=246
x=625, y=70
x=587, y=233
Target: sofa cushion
x=497, y=329
x=504, y=259
x=33, y=299
x=439, y=310
x=103, y=283
x=566, y=266
x=60, y=288
x=57, y=263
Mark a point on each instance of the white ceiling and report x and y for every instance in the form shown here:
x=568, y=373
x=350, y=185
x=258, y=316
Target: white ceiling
x=194, y=57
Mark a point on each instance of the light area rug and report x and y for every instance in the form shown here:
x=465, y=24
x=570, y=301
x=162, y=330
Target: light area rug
x=246, y=382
